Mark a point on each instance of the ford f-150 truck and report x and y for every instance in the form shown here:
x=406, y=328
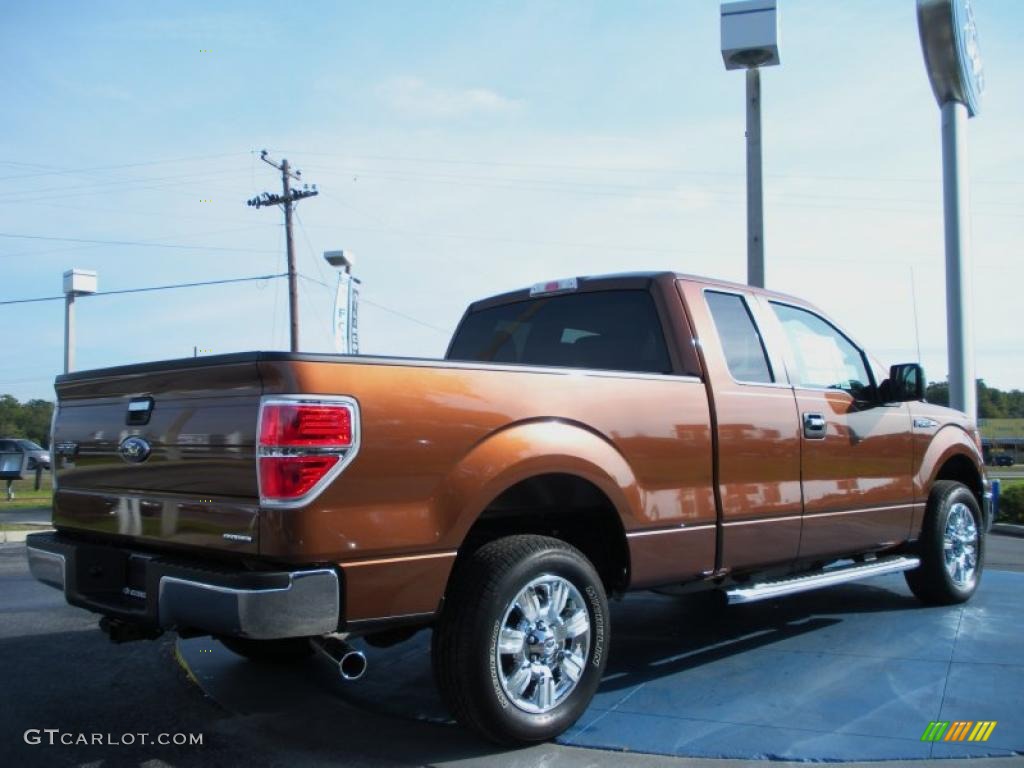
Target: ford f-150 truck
x=580, y=439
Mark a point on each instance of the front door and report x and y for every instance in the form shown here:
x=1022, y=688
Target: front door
x=856, y=453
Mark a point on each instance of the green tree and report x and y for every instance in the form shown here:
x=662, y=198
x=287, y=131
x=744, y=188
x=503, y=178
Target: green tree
x=29, y=420
x=993, y=403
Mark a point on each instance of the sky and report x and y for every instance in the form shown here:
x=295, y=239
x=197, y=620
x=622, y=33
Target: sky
x=463, y=149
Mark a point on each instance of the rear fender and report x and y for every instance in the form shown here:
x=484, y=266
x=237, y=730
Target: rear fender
x=527, y=450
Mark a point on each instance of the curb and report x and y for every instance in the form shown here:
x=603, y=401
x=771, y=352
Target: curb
x=1008, y=529
x=13, y=537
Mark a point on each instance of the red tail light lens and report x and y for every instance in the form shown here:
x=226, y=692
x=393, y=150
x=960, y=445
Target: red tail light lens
x=290, y=477
x=300, y=424
x=303, y=445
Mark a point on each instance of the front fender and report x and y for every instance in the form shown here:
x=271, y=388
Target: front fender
x=949, y=441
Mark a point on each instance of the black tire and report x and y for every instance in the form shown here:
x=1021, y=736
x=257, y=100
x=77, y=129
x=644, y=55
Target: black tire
x=463, y=649
x=282, y=651
x=931, y=582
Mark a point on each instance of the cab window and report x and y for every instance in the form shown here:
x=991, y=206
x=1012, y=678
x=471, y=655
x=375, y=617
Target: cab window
x=616, y=330
x=824, y=357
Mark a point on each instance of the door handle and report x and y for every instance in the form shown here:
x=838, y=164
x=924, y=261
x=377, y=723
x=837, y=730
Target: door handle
x=815, y=426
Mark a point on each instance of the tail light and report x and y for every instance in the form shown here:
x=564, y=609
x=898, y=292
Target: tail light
x=304, y=443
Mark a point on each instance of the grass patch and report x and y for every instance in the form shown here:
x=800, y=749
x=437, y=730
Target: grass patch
x=10, y=527
x=25, y=494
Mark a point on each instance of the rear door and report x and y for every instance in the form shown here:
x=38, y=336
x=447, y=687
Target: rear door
x=757, y=437
x=856, y=453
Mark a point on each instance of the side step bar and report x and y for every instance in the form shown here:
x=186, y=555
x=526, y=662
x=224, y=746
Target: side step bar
x=818, y=579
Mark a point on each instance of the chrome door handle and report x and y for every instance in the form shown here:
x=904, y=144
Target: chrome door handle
x=815, y=426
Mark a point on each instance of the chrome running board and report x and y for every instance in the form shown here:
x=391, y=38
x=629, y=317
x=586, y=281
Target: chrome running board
x=819, y=579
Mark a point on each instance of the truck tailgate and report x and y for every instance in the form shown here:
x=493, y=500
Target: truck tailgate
x=186, y=477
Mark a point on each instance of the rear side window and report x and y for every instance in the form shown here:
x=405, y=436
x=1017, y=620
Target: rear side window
x=602, y=330
x=744, y=350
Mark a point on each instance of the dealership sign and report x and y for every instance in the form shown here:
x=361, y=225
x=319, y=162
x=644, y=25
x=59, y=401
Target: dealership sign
x=346, y=315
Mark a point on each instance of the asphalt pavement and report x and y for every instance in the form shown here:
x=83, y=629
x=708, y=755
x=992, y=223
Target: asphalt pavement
x=63, y=680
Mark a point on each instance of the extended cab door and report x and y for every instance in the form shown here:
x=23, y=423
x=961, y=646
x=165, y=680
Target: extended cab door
x=856, y=452
x=756, y=427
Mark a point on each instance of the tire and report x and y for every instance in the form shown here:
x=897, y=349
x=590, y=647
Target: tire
x=479, y=683
x=933, y=582
x=282, y=651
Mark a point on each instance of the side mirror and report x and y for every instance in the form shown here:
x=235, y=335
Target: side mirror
x=906, y=382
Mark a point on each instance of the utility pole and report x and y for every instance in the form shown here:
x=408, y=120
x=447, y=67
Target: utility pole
x=286, y=200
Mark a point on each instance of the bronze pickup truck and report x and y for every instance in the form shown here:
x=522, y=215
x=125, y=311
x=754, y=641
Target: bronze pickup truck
x=580, y=439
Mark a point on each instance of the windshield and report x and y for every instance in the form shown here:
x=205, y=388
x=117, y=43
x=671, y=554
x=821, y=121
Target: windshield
x=28, y=445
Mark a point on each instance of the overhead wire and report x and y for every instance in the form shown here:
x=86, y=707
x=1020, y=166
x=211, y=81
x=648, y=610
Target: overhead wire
x=147, y=289
x=134, y=243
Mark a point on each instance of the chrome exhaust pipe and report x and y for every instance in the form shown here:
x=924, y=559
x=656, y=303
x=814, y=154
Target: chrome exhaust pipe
x=351, y=663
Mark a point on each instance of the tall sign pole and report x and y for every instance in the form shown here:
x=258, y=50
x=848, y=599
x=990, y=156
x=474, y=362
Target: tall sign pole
x=77, y=282
x=950, y=46
x=286, y=200
x=750, y=41
x=755, y=186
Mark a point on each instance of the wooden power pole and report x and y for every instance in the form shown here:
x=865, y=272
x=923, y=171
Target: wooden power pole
x=286, y=200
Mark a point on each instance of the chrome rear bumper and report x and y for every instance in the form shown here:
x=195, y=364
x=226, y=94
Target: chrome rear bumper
x=152, y=590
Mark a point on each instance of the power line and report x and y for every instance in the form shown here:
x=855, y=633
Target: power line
x=55, y=171
x=137, y=243
x=663, y=193
x=319, y=269
x=668, y=170
x=378, y=305
x=153, y=288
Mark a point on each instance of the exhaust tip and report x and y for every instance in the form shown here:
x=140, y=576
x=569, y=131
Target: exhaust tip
x=352, y=665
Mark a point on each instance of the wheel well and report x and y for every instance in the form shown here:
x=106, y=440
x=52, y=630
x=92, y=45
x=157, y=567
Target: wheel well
x=962, y=469
x=564, y=507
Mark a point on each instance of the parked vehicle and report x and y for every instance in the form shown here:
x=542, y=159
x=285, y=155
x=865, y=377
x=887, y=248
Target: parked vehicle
x=581, y=438
x=36, y=454
x=1002, y=460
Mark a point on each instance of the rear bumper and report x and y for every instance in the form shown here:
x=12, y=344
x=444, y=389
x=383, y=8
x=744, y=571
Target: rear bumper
x=169, y=594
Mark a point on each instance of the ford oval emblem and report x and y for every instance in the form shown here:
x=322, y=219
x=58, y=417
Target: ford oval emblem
x=134, y=449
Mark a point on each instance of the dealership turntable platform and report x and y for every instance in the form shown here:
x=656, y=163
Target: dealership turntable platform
x=854, y=672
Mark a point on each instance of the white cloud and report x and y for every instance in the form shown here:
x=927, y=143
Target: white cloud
x=413, y=97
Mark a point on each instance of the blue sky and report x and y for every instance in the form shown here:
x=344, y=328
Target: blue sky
x=468, y=148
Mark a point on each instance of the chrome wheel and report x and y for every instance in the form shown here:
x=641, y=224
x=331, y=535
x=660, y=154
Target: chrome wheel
x=960, y=545
x=543, y=644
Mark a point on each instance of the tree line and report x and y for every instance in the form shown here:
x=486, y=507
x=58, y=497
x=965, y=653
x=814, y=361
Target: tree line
x=992, y=403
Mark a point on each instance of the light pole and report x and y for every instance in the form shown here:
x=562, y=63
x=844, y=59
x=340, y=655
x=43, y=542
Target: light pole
x=77, y=282
x=950, y=46
x=346, y=302
x=750, y=41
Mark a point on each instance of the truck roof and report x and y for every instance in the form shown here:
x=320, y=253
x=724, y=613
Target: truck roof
x=627, y=280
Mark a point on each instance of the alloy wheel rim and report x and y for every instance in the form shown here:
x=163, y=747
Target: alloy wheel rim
x=542, y=645
x=960, y=545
